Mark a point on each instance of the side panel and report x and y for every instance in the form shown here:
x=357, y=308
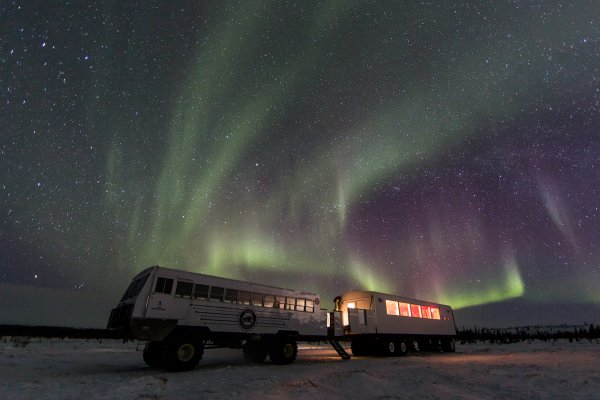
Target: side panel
x=165, y=306
x=361, y=321
x=335, y=328
x=394, y=322
x=156, y=310
x=417, y=326
x=240, y=318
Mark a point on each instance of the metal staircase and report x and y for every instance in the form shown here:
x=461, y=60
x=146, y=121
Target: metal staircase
x=339, y=349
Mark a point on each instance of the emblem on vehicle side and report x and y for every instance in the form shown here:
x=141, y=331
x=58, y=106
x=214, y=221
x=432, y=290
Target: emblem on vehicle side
x=247, y=319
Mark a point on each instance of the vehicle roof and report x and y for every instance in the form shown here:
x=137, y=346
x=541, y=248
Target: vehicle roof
x=192, y=275
x=367, y=293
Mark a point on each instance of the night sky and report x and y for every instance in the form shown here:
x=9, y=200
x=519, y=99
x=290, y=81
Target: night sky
x=449, y=152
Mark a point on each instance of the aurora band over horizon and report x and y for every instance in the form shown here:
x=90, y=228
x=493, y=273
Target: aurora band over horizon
x=250, y=187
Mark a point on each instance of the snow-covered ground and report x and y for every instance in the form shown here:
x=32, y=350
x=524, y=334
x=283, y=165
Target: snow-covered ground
x=79, y=369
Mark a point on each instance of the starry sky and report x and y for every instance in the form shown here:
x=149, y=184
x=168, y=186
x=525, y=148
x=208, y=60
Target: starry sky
x=448, y=151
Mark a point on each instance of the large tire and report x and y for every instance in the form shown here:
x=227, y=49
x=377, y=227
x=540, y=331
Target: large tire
x=181, y=353
x=283, y=351
x=152, y=354
x=448, y=346
x=389, y=348
x=402, y=346
x=436, y=345
x=393, y=347
x=255, y=352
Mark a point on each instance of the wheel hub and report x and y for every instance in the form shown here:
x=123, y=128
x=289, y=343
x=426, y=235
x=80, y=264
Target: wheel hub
x=288, y=350
x=186, y=352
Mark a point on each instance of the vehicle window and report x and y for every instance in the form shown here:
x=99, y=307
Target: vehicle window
x=310, y=306
x=268, y=301
x=435, y=313
x=216, y=293
x=135, y=287
x=279, y=302
x=201, y=292
x=184, y=289
x=300, y=304
x=392, y=307
x=425, y=313
x=415, y=311
x=244, y=297
x=231, y=295
x=404, y=309
x=257, y=299
x=164, y=285
x=291, y=303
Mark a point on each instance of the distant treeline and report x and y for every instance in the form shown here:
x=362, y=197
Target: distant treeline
x=519, y=334
x=464, y=335
x=61, y=332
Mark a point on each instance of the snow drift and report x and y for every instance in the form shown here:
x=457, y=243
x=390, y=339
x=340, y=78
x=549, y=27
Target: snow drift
x=80, y=369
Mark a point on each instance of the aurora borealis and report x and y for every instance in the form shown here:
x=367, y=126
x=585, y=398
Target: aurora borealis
x=443, y=151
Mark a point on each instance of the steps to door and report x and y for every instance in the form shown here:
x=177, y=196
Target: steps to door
x=339, y=349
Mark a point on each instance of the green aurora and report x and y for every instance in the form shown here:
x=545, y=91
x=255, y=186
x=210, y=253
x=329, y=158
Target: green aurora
x=209, y=214
x=443, y=151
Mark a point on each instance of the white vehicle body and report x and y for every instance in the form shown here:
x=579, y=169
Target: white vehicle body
x=180, y=313
x=379, y=322
x=167, y=299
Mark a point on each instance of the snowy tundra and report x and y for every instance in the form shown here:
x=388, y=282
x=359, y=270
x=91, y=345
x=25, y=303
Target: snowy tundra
x=79, y=369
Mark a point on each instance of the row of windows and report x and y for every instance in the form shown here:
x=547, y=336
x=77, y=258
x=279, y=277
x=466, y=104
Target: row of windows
x=411, y=310
x=205, y=292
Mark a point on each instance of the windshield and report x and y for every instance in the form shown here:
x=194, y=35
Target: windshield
x=135, y=287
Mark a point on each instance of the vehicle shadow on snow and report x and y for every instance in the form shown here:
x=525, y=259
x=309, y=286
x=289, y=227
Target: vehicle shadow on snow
x=226, y=358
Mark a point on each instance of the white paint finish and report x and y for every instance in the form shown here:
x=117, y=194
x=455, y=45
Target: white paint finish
x=394, y=324
x=222, y=316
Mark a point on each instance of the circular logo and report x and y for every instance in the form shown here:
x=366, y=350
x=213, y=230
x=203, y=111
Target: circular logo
x=247, y=319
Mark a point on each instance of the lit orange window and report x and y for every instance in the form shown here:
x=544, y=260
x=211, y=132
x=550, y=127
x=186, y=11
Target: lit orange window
x=425, y=312
x=279, y=302
x=415, y=311
x=392, y=307
x=435, y=313
x=404, y=309
x=291, y=303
